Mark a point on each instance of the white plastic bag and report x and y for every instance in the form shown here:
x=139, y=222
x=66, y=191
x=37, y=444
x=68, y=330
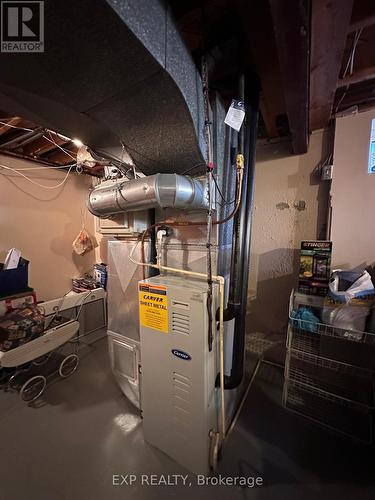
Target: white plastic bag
x=349, y=301
x=347, y=285
x=347, y=316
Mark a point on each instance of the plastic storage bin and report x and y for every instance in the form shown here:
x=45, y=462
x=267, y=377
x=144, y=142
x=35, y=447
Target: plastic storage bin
x=13, y=281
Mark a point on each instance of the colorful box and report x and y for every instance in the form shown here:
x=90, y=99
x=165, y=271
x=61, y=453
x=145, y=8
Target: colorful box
x=315, y=267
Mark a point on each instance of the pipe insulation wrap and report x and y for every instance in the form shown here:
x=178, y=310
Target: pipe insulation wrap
x=155, y=191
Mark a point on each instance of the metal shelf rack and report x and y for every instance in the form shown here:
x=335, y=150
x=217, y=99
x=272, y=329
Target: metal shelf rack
x=329, y=373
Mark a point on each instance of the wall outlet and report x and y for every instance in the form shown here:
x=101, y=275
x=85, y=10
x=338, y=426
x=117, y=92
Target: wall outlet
x=327, y=171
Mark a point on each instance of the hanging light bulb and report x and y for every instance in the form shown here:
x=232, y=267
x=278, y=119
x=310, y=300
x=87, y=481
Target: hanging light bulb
x=77, y=142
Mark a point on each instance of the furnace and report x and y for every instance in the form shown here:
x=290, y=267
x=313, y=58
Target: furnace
x=179, y=398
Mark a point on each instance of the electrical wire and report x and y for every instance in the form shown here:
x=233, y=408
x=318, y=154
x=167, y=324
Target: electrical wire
x=350, y=62
x=49, y=139
x=209, y=175
x=120, y=160
x=152, y=160
x=37, y=183
x=114, y=161
x=58, y=146
x=349, y=66
x=79, y=169
x=52, y=167
x=201, y=164
x=67, y=152
x=226, y=202
x=176, y=223
x=15, y=126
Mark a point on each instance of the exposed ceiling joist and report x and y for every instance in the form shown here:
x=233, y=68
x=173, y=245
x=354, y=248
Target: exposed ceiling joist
x=42, y=146
x=11, y=122
x=330, y=21
x=23, y=138
x=59, y=156
x=360, y=95
x=357, y=102
x=269, y=117
x=363, y=15
x=359, y=76
x=27, y=140
x=291, y=26
x=363, y=23
x=258, y=28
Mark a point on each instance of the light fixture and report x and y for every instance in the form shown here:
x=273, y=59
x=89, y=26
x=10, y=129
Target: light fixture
x=77, y=142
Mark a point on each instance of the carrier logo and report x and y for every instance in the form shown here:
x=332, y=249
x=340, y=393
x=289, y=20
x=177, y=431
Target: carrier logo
x=181, y=354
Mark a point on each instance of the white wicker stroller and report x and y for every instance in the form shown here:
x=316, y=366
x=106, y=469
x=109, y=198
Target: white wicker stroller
x=31, y=360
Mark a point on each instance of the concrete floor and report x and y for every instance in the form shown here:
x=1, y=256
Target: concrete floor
x=85, y=431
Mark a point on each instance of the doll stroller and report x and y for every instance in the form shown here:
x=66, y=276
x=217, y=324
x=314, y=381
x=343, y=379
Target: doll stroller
x=36, y=361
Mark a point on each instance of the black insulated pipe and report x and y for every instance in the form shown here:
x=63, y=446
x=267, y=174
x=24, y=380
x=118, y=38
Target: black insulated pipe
x=151, y=217
x=238, y=228
x=242, y=264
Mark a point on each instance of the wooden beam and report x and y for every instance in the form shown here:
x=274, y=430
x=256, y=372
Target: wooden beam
x=359, y=76
x=29, y=158
x=291, y=23
x=359, y=101
x=258, y=29
x=329, y=27
x=268, y=117
x=58, y=156
x=21, y=137
x=362, y=23
x=42, y=146
x=363, y=15
x=355, y=96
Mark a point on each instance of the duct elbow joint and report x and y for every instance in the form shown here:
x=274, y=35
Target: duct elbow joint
x=155, y=191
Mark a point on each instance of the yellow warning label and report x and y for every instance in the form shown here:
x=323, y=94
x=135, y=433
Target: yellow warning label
x=153, y=307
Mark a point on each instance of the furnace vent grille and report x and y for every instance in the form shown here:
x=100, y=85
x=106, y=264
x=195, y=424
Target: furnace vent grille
x=180, y=323
x=182, y=403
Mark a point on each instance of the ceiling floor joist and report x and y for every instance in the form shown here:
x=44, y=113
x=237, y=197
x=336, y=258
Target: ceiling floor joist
x=360, y=76
x=291, y=22
x=329, y=27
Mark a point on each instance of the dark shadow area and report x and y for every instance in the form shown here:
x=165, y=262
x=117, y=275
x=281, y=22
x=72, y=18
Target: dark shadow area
x=268, y=312
x=294, y=457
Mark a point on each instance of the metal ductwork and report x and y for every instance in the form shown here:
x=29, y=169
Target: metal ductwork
x=155, y=191
x=115, y=74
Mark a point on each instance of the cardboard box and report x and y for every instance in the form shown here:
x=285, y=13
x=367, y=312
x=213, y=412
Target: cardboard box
x=13, y=281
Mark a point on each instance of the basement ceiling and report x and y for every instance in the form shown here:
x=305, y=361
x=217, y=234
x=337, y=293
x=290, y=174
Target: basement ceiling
x=314, y=59
x=115, y=74
x=299, y=48
x=25, y=139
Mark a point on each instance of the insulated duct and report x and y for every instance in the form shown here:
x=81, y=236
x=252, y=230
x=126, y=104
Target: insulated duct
x=155, y=191
x=115, y=74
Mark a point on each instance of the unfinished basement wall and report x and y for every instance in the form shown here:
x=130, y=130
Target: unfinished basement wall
x=290, y=205
x=43, y=223
x=353, y=193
